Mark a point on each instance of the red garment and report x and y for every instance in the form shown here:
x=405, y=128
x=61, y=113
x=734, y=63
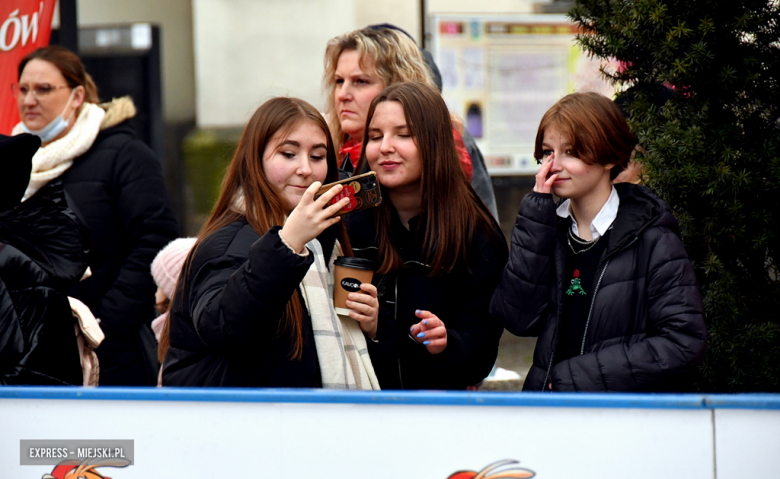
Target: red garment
x=354, y=148
x=463, y=155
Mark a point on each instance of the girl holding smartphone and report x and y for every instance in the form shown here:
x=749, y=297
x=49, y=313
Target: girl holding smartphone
x=602, y=279
x=253, y=306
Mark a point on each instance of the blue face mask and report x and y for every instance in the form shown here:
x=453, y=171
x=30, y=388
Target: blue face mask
x=55, y=127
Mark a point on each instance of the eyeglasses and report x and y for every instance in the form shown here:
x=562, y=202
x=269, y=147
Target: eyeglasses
x=38, y=91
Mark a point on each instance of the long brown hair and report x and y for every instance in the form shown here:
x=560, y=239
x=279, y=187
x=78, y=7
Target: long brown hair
x=596, y=128
x=69, y=65
x=263, y=205
x=454, y=211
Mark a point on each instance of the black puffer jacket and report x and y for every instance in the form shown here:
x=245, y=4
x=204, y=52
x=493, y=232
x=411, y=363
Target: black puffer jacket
x=43, y=254
x=117, y=189
x=226, y=317
x=646, y=331
x=460, y=299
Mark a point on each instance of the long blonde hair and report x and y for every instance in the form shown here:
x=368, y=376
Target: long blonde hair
x=385, y=52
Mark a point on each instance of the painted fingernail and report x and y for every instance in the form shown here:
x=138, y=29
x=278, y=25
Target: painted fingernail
x=425, y=322
x=426, y=343
x=417, y=312
x=421, y=335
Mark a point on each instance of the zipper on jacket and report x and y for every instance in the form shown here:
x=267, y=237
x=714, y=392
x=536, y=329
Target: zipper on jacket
x=592, y=302
x=596, y=290
x=549, y=367
x=554, y=342
x=366, y=248
x=395, y=317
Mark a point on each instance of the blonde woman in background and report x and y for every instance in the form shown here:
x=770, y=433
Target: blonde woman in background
x=358, y=66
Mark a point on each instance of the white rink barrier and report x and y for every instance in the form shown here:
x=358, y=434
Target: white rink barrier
x=297, y=434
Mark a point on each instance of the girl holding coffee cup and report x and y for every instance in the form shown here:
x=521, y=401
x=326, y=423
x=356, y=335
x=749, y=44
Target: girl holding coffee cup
x=440, y=252
x=253, y=306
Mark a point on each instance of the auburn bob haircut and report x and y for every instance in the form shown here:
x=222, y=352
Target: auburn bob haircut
x=596, y=128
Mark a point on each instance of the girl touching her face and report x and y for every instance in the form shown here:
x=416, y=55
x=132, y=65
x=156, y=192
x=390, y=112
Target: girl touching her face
x=602, y=278
x=252, y=307
x=439, y=250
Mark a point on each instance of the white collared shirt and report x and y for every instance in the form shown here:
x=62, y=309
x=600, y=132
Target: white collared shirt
x=602, y=221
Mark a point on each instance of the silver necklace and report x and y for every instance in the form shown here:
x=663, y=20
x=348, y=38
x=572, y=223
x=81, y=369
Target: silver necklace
x=577, y=240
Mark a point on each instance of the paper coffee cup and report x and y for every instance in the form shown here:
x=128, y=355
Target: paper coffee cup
x=349, y=273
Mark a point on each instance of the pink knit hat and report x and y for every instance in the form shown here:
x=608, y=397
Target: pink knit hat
x=167, y=265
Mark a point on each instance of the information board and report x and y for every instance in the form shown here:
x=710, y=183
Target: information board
x=502, y=73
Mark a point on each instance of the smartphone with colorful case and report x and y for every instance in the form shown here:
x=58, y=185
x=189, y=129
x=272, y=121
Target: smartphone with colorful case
x=362, y=191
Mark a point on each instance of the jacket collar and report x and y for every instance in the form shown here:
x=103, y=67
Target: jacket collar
x=639, y=209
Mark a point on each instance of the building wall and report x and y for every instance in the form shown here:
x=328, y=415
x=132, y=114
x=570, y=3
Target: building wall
x=213, y=44
x=175, y=19
x=247, y=51
x=402, y=13
x=472, y=6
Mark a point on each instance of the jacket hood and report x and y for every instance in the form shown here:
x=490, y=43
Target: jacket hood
x=639, y=209
x=18, y=151
x=117, y=111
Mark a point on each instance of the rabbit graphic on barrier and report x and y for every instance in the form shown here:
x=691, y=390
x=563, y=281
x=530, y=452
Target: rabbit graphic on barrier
x=73, y=469
x=497, y=470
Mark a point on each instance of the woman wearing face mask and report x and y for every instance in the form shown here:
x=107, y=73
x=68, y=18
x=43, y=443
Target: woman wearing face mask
x=359, y=65
x=440, y=251
x=602, y=279
x=114, y=184
x=253, y=307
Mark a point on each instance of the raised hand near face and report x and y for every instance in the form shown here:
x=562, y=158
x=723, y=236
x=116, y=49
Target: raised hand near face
x=543, y=182
x=311, y=217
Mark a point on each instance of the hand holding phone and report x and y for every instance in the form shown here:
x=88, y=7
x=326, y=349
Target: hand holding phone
x=311, y=217
x=362, y=190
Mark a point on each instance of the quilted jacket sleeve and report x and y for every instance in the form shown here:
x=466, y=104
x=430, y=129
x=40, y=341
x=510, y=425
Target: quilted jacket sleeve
x=522, y=298
x=676, y=333
x=239, y=296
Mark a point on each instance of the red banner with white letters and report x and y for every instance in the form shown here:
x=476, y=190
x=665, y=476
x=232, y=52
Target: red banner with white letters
x=25, y=25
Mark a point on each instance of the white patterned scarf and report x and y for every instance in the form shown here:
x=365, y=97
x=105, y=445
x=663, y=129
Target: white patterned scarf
x=341, y=345
x=52, y=160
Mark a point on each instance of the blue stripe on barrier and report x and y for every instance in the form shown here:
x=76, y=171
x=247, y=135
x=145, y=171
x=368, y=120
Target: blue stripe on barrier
x=432, y=398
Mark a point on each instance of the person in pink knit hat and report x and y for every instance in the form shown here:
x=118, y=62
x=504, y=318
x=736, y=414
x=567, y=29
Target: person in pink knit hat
x=166, y=268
